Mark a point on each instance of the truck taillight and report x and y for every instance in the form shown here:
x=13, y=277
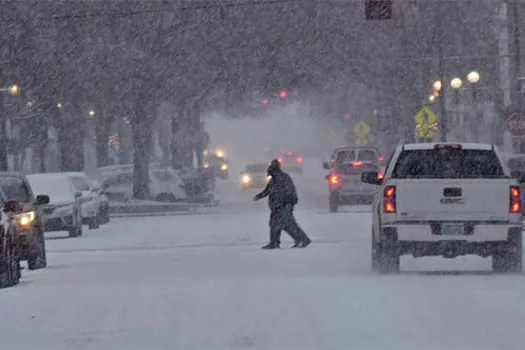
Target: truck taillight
x=335, y=179
x=389, y=199
x=515, y=200
x=380, y=176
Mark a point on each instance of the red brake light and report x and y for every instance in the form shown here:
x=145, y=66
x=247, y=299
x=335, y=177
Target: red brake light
x=380, y=176
x=332, y=161
x=266, y=149
x=381, y=158
x=289, y=153
x=280, y=160
x=515, y=200
x=357, y=163
x=389, y=199
x=334, y=179
x=299, y=159
x=443, y=146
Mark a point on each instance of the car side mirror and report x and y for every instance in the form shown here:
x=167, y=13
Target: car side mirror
x=78, y=195
x=326, y=166
x=371, y=177
x=518, y=175
x=12, y=206
x=42, y=199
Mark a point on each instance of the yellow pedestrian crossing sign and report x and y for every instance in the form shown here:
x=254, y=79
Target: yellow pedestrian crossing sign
x=426, y=123
x=361, y=131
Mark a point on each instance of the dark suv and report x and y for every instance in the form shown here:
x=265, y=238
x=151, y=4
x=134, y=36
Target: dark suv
x=29, y=223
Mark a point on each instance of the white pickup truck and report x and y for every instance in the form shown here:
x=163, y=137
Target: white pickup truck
x=447, y=200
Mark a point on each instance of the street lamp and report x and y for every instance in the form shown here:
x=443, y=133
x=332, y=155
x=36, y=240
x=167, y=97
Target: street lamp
x=437, y=85
x=473, y=77
x=432, y=98
x=91, y=113
x=456, y=83
x=14, y=90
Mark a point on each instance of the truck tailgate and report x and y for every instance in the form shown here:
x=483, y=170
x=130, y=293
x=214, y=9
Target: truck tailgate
x=452, y=199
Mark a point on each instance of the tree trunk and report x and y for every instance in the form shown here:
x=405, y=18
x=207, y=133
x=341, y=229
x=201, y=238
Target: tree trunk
x=103, y=130
x=141, y=135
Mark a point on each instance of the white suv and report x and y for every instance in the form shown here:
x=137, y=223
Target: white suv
x=446, y=200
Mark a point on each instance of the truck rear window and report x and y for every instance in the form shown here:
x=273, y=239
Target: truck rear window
x=448, y=164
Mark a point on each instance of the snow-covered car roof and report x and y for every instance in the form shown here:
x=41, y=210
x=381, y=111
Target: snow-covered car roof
x=426, y=146
x=56, y=185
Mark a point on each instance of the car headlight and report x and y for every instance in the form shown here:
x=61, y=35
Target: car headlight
x=25, y=219
x=224, y=167
x=246, y=179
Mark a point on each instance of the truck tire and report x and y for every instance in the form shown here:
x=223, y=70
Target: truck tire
x=334, y=202
x=509, y=260
x=37, y=258
x=387, y=256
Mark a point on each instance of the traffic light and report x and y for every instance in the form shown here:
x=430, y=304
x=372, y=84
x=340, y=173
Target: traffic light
x=283, y=94
x=378, y=9
x=265, y=101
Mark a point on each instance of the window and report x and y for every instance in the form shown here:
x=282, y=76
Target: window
x=120, y=179
x=15, y=188
x=80, y=183
x=368, y=155
x=163, y=175
x=347, y=156
x=448, y=164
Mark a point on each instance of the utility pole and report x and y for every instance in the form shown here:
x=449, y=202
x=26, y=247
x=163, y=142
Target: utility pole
x=438, y=41
x=517, y=45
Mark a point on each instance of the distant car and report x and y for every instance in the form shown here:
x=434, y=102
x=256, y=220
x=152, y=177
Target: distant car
x=165, y=185
x=88, y=200
x=64, y=212
x=291, y=163
x=254, y=176
x=344, y=179
x=29, y=219
x=219, y=166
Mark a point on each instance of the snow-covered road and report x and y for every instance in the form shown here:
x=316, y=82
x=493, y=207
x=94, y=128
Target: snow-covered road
x=202, y=282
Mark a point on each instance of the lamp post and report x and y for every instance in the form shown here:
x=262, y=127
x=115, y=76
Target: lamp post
x=456, y=83
x=473, y=78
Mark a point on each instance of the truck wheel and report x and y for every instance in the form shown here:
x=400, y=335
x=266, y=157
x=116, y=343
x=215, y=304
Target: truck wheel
x=387, y=256
x=93, y=223
x=334, y=202
x=37, y=258
x=510, y=260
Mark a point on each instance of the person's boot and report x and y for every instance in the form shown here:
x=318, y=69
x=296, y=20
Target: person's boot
x=297, y=244
x=305, y=243
x=271, y=246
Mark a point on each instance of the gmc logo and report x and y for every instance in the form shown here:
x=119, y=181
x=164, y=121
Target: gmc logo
x=452, y=201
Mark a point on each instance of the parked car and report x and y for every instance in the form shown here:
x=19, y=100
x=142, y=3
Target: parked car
x=10, y=269
x=103, y=203
x=165, y=185
x=64, y=212
x=88, y=200
x=29, y=219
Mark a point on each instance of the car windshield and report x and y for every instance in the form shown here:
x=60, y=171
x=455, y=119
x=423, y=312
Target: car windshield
x=256, y=168
x=346, y=156
x=367, y=155
x=15, y=188
x=58, y=188
x=448, y=164
x=80, y=183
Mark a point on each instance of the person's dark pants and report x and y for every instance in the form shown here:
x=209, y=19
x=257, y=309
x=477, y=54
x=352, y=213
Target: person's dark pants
x=283, y=219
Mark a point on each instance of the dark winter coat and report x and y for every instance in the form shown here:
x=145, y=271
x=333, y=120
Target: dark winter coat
x=280, y=191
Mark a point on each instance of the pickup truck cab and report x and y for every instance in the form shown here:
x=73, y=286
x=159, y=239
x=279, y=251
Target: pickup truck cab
x=446, y=200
